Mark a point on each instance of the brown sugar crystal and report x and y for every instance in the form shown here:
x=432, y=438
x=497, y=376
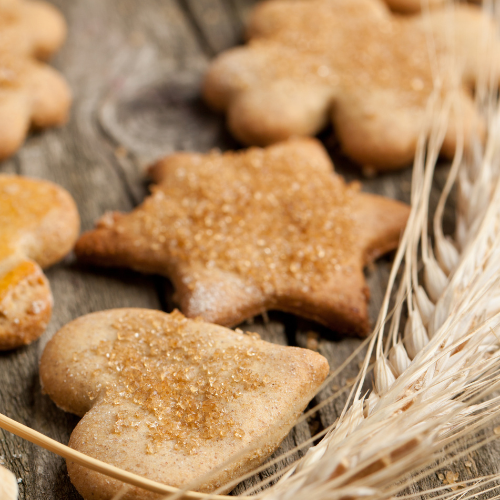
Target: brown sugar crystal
x=177, y=377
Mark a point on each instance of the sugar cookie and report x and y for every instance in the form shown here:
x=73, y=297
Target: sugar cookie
x=172, y=399
x=354, y=63
x=31, y=93
x=39, y=225
x=242, y=232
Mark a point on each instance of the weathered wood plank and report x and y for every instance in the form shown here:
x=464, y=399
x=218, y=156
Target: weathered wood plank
x=243, y=8
x=152, y=106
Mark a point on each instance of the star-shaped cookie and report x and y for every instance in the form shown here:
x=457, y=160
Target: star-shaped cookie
x=354, y=63
x=39, y=225
x=172, y=399
x=31, y=93
x=242, y=232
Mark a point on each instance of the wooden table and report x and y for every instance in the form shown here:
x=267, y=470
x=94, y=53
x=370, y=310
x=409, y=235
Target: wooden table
x=135, y=69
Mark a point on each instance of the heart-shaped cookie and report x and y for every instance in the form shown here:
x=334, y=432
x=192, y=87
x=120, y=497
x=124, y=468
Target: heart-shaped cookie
x=173, y=399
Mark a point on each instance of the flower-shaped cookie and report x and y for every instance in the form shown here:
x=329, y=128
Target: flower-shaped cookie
x=356, y=64
x=31, y=93
x=31, y=28
x=242, y=232
x=39, y=225
x=172, y=399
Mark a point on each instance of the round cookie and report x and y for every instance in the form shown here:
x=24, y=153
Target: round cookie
x=39, y=224
x=8, y=485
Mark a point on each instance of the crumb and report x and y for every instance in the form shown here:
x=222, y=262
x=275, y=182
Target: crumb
x=121, y=152
x=312, y=341
x=451, y=479
x=369, y=171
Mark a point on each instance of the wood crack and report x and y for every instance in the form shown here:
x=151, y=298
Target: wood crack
x=201, y=38
x=237, y=20
x=117, y=167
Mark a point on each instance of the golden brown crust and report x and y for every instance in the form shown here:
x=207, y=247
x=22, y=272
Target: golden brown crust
x=31, y=93
x=31, y=28
x=39, y=224
x=240, y=233
x=25, y=305
x=412, y=6
x=280, y=382
x=305, y=64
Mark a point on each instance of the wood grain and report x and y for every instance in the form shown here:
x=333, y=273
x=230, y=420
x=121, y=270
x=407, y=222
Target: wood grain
x=135, y=69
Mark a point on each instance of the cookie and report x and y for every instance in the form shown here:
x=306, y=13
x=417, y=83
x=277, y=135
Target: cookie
x=172, y=399
x=8, y=485
x=31, y=28
x=32, y=94
x=355, y=64
x=239, y=233
x=39, y=225
x=412, y=6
